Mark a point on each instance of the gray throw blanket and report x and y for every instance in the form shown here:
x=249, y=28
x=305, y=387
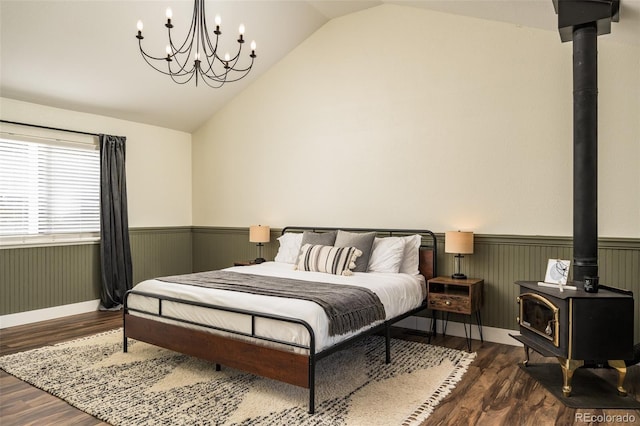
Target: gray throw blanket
x=348, y=307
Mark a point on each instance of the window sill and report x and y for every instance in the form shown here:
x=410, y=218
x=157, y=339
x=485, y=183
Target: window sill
x=31, y=242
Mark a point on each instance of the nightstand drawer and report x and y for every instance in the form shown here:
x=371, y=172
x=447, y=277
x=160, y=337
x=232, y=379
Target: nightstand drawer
x=451, y=303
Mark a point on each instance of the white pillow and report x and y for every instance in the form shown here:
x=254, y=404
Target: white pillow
x=386, y=255
x=289, y=247
x=410, y=259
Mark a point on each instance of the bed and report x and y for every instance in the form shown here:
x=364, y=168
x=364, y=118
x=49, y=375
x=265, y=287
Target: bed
x=278, y=336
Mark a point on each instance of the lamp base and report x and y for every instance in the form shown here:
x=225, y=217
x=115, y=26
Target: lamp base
x=459, y=276
x=259, y=260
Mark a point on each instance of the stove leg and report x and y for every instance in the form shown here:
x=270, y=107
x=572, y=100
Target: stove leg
x=526, y=356
x=622, y=372
x=568, y=367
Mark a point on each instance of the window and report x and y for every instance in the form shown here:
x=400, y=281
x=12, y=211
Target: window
x=49, y=190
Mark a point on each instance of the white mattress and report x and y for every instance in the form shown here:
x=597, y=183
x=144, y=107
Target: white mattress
x=398, y=293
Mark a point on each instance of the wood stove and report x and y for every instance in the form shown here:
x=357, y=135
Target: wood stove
x=577, y=327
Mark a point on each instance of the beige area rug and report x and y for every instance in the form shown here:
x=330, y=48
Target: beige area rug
x=154, y=386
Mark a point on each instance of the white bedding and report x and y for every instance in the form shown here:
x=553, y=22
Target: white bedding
x=398, y=293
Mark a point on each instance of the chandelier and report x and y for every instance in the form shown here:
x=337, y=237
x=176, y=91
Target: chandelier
x=198, y=55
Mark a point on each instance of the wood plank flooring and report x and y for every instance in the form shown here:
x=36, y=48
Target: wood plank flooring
x=494, y=391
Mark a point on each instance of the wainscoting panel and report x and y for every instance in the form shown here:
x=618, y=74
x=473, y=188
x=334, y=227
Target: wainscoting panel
x=157, y=252
x=218, y=248
x=43, y=277
x=502, y=260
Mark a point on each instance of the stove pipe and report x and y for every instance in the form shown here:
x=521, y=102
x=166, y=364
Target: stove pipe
x=582, y=21
x=585, y=151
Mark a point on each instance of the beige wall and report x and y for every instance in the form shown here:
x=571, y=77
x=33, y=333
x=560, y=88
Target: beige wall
x=158, y=160
x=401, y=117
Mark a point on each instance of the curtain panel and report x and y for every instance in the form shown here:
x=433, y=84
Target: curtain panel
x=115, y=250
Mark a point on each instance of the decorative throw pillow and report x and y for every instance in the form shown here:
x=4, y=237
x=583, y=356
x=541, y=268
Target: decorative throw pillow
x=410, y=259
x=361, y=241
x=328, y=259
x=386, y=255
x=290, y=243
x=319, y=238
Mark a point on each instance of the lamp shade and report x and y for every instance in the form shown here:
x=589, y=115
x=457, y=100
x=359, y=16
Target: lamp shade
x=259, y=234
x=458, y=242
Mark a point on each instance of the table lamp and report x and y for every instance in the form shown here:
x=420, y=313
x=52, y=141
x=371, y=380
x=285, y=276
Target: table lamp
x=259, y=234
x=459, y=243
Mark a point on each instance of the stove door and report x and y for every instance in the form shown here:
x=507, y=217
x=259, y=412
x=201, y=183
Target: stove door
x=540, y=316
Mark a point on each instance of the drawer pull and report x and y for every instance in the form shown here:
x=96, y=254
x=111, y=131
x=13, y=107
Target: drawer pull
x=448, y=302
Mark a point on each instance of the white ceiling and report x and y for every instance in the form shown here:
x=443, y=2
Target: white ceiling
x=83, y=55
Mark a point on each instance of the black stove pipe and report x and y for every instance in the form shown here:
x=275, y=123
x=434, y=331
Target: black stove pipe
x=585, y=151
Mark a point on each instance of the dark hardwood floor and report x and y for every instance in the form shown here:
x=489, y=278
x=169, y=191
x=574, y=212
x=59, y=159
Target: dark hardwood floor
x=493, y=392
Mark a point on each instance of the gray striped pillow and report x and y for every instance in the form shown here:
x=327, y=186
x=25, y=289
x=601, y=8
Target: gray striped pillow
x=329, y=259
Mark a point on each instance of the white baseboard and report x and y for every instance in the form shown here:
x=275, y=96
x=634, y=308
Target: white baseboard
x=489, y=334
x=28, y=317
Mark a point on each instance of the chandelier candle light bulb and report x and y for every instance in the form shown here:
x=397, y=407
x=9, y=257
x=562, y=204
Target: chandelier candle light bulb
x=169, y=16
x=218, y=21
x=140, y=27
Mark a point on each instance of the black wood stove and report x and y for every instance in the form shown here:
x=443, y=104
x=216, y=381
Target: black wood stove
x=577, y=327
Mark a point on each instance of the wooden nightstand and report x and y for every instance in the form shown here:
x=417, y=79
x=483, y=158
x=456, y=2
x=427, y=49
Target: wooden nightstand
x=448, y=295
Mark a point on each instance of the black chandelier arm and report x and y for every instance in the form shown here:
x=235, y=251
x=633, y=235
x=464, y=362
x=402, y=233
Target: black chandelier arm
x=240, y=70
x=204, y=33
x=173, y=77
x=210, y=72
x=206, y=40
x=147, y=57
x=240, y=77
x=182, y=68
x=184, y=48
x=207, y=80
x=217, y=78
x=228, y=65
x=163, y=60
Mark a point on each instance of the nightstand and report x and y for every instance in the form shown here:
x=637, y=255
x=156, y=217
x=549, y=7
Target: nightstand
x=446, y=294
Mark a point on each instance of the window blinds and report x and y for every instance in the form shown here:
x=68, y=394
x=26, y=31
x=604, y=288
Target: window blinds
x=49, y=189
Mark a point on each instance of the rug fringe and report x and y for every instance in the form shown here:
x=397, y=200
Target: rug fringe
x=426, y=408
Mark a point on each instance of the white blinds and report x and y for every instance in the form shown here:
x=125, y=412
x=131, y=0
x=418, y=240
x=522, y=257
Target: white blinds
x=48, y=188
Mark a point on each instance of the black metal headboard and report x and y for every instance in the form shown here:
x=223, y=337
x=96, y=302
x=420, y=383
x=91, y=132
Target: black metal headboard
x=428, y=246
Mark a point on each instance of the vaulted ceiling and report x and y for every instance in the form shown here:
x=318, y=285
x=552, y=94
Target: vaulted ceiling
x=83, y=55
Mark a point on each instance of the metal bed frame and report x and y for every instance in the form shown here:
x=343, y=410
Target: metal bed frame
x=286, y=366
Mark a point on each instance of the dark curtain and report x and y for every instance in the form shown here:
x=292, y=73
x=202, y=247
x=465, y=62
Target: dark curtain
x=115, y=251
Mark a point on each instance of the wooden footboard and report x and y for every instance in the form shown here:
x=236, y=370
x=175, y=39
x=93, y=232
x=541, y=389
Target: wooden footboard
x=273, y=363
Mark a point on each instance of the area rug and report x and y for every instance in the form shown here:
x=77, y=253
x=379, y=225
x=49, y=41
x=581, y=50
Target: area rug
x=154, y=386
x=587, y=389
